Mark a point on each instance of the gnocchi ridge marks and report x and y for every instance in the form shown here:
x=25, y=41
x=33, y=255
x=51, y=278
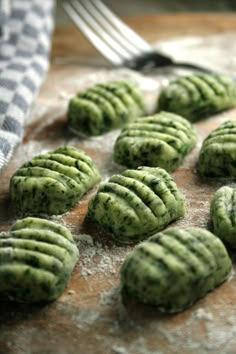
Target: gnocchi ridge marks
x=217, y=156
x=174, y=268
x=161, y=140
x=36, y=260
x=198, y=96
x=52, y=183
x=136, y=203
x=223, y=215
x=104, y=107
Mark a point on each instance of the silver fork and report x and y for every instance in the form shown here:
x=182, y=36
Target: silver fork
x=115, y=40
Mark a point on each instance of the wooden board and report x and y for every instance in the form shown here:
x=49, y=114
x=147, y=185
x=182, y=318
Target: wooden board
x=91, y=316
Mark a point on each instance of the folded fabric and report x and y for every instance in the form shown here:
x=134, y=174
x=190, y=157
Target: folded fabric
x=24, y=59
x=5, y=7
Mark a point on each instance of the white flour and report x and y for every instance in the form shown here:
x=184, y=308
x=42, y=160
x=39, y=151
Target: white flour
x=129, y=329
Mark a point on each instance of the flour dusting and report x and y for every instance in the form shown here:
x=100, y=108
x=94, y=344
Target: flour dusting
x=97, y=258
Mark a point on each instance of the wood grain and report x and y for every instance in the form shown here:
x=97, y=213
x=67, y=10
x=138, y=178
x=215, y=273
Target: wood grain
x=69, y=41
x=91, y=316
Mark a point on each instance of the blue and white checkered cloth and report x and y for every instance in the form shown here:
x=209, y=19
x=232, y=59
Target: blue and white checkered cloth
x=24, y=58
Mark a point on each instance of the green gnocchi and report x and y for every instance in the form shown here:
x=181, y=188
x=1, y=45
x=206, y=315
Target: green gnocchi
x=37, y=257
x=198, y=96
x=161, y=140
x=104, y=107
x=174, y=268
x=136, y=203
x=217, y=156
x=223, y=215
x=52, y=183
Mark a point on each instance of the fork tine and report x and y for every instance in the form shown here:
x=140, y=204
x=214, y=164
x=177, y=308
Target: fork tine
x=99, y=44
x=91, y=19
x=115, y=34
x=132, y=36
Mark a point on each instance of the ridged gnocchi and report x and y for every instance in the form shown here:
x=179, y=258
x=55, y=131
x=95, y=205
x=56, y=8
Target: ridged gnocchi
x=198, y=96
x=174, y=268
x=37, y=257
x=52, y=183
x=104, y=107
x=223, y=214
x=217, y=157
x=162, y=140
x=136, y=203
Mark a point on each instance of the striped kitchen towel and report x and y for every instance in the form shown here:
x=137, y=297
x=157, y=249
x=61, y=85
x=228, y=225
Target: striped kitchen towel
x=5, y=8
x=24, y=59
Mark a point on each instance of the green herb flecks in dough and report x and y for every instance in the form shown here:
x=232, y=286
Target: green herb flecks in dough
x=52, y=183
x=223, y=214
x=136, y=203
x=104, y=107
x=174, y=268
x=217, y=156
x=198, y=96
x=162, y=140
x=36, y=260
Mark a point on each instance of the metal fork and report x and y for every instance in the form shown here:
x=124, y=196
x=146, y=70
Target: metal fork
x=115, y=40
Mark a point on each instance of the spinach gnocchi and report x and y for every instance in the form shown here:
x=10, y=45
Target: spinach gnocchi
x=104, y=107
x=198, y=96
x=136, y=203
x=174, y=268
x=217, y=156
x=223, y=214
x=161, y=140
x=52, y=183
x=37, y=257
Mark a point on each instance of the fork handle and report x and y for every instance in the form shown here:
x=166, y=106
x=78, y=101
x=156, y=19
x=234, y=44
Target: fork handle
x=199, y=68
x=148, y=61
x=152, y=60
x=193, y=67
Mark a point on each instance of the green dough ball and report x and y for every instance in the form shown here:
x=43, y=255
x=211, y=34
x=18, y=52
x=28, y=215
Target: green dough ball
x=52, y=183
x=105, y=107
x=162, y=140
x=136, y=203
x=36, y=260
x=218, y=153
x=223, y=214
x=198, y=96
x=174, y=268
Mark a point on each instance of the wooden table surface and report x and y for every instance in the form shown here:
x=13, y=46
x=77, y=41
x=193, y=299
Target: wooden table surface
x=91, y=316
